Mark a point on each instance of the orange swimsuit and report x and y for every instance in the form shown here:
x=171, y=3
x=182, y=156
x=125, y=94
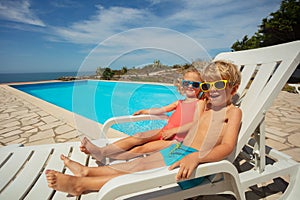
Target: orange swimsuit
x=183, y=114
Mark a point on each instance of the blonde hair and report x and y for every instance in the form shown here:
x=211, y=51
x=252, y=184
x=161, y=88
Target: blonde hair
x=223, y=69
x=178, y=82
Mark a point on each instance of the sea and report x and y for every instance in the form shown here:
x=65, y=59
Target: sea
x=42, y=76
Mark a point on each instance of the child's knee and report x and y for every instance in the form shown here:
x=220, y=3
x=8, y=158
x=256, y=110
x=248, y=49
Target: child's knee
x=139, y=149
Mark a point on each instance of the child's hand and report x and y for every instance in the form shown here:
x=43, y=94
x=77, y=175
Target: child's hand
x=140, y=112
x=167, y=134
x=187, y=165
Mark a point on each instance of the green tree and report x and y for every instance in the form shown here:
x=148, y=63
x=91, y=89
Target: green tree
x=156, y=63
x=279, y=27
x=107, y=74
x=99, y=71
x=124, y=70
x=283, y=25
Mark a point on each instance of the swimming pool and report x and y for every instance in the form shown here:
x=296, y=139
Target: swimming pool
x=101, y=100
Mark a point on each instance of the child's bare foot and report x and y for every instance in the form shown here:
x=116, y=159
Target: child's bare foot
x=63, y=182
x=76, y=168
x=83, y=149
x=89, y=148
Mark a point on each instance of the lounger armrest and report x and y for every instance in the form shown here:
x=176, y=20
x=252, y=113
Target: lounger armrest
x=136, y=182
x=130, y=118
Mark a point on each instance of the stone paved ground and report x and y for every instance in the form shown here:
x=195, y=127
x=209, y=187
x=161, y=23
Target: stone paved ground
x=22, y=122
x=26, y=121
x=283, y=124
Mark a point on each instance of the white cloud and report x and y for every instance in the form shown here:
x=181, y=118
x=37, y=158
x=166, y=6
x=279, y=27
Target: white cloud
x=210, y=24
x=217, y=24
x=225, y=21
x=103, y=24
x=19, y=11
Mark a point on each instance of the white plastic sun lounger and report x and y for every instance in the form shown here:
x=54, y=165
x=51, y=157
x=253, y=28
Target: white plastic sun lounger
x=266, y=70
x=22, y=168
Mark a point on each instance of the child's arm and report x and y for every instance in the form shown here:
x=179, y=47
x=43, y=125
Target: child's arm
x=158, y=111
x=201, y=105
x=190, y=162
x=166, y=134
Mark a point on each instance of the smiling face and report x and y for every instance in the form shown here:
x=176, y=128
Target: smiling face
x=189, y=90
x=217, y=75
x=217, y=96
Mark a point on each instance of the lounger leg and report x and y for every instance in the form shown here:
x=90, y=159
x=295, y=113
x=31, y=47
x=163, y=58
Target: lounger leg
x=260, y=146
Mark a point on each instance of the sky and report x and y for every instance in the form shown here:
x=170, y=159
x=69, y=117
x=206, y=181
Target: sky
x=76, y=35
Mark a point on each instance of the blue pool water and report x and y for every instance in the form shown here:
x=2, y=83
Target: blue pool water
x=101, y=100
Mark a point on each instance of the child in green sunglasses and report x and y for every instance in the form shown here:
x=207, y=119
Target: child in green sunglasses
x=211, y=138
x=176, y=129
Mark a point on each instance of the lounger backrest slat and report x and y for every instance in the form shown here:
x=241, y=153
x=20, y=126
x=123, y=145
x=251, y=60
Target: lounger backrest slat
x=259, y=81
x=247, y=72
x=53, y=162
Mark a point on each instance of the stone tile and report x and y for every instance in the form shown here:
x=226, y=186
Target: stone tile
x=35, y=110
x=39, y=124
x=276, y=132
x=49, y=119
x=11, y=124
x=10, y=139
x=6, y=121
x=290, y=120
x=26, y=128
x=4, y=116
x=30, y=121
x=293, y=124
x=42, y=113
x=42, y=135
x=274, y=125
x=18, y=141
x=294, y=115
x=9, y=110
x=276, y=145
x=50, y=126
x=63, y=129
x=292, y=129
x=294, y=139
x=71, y=134
x=5, y=130
x=41, y=141
x=294, y=153
x=20, y=112
x=11, y=133
x=27, y=134
x=27, y=116
x=34, y=130
x=276, y=138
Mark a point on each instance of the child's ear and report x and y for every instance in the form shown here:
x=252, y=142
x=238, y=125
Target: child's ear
x=234, y=89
